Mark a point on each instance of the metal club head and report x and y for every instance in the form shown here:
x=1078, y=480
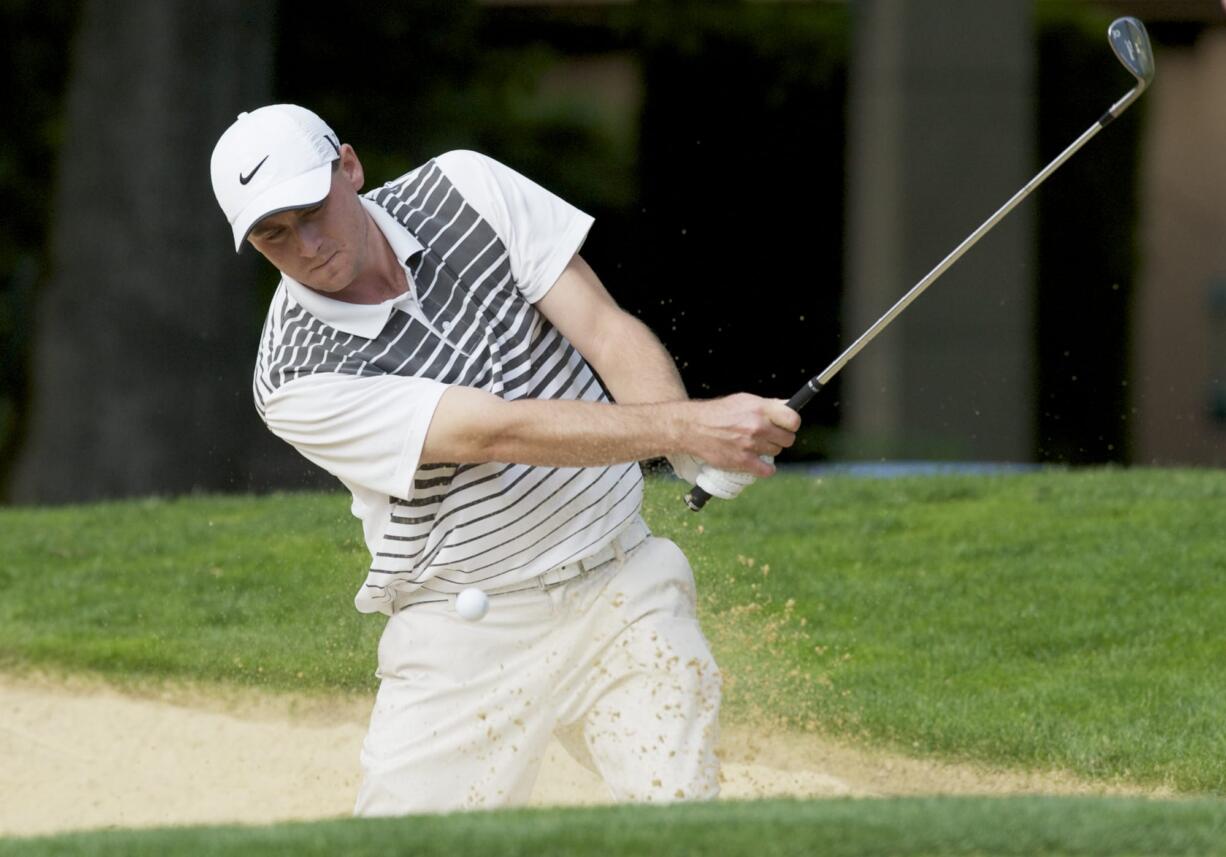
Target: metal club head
x=1131, y=45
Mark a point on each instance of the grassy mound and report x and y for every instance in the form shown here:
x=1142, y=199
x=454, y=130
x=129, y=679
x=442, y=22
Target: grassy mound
x=842, y=828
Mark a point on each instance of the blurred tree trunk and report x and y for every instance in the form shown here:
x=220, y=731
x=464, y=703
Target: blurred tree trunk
x=954, y=377
x=146, y=327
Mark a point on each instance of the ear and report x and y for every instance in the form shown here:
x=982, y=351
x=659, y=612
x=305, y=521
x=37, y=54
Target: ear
x=352, y=167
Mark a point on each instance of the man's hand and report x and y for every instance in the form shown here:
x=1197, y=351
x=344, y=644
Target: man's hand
x=724, y=484
x=726, y=437
x=740, y=433
x=746, y=431
x=685, y=466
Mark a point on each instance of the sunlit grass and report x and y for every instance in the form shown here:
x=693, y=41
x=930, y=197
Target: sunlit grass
x=1090, y=827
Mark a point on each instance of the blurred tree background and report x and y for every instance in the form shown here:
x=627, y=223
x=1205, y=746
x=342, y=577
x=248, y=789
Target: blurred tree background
x=1086, y=261
x=34, y=37
x=707, y=138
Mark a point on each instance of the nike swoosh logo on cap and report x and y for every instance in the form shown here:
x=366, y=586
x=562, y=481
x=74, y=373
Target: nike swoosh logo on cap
x=243, y=179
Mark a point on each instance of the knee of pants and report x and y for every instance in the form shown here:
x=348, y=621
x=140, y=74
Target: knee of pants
x=679, y=662
x=663, y=640
x=673, y=651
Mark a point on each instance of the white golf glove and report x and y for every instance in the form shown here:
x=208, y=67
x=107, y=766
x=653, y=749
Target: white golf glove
x=686, y=467
x=724, y=484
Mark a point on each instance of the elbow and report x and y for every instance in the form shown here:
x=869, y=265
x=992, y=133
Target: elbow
x=469, y=426
x=507, y=440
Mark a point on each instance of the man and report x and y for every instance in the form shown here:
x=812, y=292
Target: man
x=435, y=345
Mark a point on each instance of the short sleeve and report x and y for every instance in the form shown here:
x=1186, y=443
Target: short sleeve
x=364, y=431
x=542, y=232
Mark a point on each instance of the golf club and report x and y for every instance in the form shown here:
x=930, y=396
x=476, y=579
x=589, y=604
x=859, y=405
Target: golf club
x=1130, y=42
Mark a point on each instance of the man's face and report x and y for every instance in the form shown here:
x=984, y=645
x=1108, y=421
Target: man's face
x=324, y=246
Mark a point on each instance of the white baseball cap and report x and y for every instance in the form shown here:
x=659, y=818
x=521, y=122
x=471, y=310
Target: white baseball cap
x=273, y=159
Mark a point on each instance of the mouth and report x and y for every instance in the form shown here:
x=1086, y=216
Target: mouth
x=324, y=263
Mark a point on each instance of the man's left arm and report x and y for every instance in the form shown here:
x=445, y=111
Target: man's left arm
x=631, y=361
x=539, y=230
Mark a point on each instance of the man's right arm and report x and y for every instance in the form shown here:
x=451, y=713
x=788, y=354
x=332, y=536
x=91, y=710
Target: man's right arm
x=471, y=426
x=376, y=431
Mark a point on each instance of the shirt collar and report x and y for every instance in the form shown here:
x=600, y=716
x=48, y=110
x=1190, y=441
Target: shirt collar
x=364, y=320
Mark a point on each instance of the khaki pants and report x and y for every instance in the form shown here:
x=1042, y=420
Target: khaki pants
x=613, y=663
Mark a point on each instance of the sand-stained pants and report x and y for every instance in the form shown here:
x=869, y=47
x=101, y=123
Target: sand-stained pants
x=612, y=662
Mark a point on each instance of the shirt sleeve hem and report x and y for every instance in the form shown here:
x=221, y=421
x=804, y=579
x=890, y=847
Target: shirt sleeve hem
x=567, y=246
x=409, y=459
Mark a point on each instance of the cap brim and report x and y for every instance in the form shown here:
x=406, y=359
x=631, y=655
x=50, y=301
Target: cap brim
x=299, y=192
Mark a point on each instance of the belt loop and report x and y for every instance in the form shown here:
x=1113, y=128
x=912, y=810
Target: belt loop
x=618, y=551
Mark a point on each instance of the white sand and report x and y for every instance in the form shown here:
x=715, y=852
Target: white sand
x=79, y=755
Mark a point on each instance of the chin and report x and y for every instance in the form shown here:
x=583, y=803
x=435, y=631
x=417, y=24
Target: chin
x=329, y=286
x=325, y=278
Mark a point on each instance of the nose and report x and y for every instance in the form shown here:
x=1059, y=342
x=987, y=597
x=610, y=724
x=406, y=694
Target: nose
x=309, y=239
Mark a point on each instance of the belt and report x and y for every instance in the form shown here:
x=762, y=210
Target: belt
x=622, y=544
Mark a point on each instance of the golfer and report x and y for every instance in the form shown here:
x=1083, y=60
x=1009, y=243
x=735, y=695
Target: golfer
x=439, y=346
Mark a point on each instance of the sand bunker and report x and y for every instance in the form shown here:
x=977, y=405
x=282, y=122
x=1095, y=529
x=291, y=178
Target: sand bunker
x=78, y=755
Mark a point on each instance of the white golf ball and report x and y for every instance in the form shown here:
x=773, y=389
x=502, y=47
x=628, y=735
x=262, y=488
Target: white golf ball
x=472, y=604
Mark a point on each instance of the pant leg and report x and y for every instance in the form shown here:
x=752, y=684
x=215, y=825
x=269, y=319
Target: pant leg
x=652, y=721
x=459, y=721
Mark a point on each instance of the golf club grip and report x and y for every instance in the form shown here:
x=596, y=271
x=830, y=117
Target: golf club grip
x=697, y=498
x=805, y=394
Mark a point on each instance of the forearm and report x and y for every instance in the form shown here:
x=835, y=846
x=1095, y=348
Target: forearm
x=636, y=367
x=630, y=360
x=474, y=426
x=585, y=434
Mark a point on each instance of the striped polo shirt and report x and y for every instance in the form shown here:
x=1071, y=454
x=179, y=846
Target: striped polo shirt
x=353, y=387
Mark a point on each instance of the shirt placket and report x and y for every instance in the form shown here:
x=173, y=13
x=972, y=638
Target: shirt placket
x=442, y=324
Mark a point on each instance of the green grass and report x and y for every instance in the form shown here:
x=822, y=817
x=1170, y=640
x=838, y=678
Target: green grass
x=840, y=828
x=234, y=589
x=1056, y=619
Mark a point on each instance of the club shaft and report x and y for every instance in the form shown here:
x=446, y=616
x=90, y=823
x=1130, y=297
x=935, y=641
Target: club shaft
x=697, y=498
x=918, y=289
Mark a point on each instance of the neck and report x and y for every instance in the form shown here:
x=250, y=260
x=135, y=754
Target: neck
x=382, y=278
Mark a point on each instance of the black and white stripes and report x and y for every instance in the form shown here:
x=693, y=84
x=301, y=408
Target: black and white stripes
x=492, y=523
